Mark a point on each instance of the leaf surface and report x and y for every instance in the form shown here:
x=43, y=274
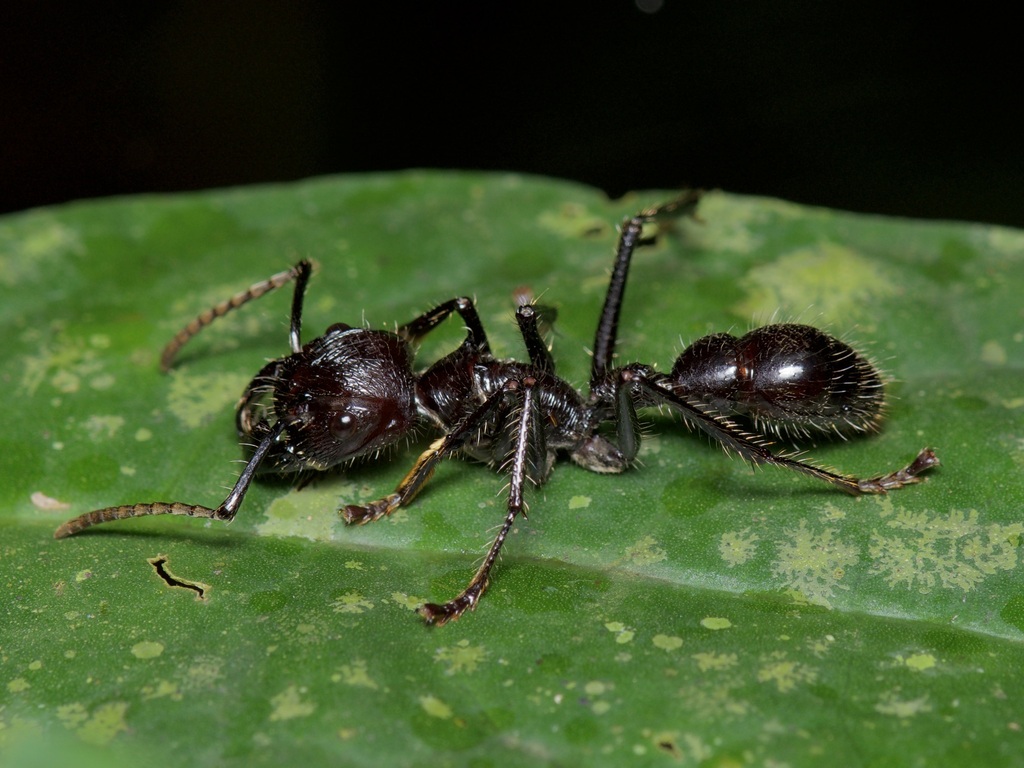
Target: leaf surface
x=691, y=611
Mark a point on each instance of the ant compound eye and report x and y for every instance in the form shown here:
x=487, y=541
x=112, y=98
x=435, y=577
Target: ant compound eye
x=352, y=426
x=342, y=425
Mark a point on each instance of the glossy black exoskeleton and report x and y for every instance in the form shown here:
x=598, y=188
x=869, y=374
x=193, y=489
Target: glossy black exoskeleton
x=354, y=391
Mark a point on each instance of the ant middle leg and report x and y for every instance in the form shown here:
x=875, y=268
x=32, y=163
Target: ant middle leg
x=528, y=318
x=524, y=465
x=422, y=470
x=476, y=337
x=630, y=238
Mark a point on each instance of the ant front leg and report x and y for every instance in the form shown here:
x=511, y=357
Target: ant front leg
x=299, y=273
x=226, y=511
x=646, y=390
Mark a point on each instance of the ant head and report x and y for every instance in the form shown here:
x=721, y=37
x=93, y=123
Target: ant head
x=348, y=393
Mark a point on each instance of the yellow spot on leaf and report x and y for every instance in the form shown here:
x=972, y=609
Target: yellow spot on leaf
x=351, y=602
x=813, y=562
x=102, y=428
x=289, y=704
x=715, y=622
x=920, y=661
x=355, y=674
x=890, y=705
x=106, y=722
x=645, y=552
x=195, y=399
x=434, y=707
x=147, y=649
x=737, y=547
x=784, y=673
x=72, y=716
x=667, y=642
x=461, y=657
x=407, y=601
x=953, y=551
x=162, y=689
x=579, y=502
x=834, y=280
x=993, y=353
x=709, y=661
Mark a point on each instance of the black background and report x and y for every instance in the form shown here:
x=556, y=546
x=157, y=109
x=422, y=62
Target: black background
x=886, y=108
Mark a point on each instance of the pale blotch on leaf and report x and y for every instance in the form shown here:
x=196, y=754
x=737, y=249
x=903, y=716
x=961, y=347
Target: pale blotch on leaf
x=579, y=502
x=717, y=699
x=106, y=721
x=351, y=602
x=434, y=707
x=993, y=353
x=409, y=602
x=813, y=563
x=667, y=642
x=785, y=673
x=715, y=623
x=952, y=551
x=47, y=503
x=203, y=672
x=738, y=547
x=461, y=657
x=100, y=428
x=1009, y=242
x=147, y=649
x=573, y=220
x=18, y=684
x=289, y=704
x=645, y=552
x=309, y=514
x=902, y=708
x=102, y=382
x=835, y=281
x=71, y=716
x=355, y=674
x=162, y=689
x=710, y=661
x=623, y=634
x=66, y=358
x=195, y=399
x=733, y=223
x=819, y=646
x=919, y=661
x=38, y=240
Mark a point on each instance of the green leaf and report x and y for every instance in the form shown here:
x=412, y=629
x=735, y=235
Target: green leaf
x=688, y=612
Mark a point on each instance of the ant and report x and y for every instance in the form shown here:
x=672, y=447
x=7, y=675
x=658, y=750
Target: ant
x=353, y=392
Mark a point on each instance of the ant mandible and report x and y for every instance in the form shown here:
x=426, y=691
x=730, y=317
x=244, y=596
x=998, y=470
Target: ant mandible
x=354, y=391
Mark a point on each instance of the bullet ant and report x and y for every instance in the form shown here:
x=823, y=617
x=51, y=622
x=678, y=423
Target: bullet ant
x=354, y=391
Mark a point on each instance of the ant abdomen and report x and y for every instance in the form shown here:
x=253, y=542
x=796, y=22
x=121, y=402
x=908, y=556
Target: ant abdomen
x=788, y=378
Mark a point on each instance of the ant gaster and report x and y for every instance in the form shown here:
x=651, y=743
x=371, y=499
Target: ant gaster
x=353, y=392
